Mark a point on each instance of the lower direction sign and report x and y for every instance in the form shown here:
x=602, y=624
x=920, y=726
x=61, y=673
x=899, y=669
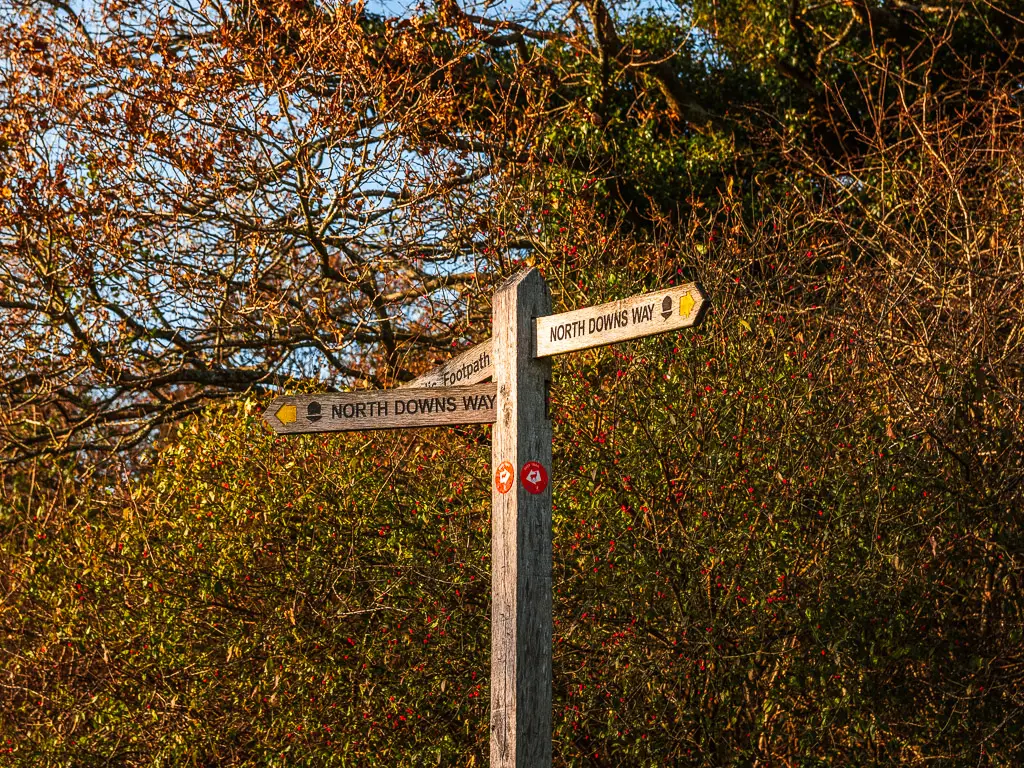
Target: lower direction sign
x=383, y=409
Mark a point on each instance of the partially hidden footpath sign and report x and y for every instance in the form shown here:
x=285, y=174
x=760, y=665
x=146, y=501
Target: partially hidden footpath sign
x=525, y=335
x=468, y=367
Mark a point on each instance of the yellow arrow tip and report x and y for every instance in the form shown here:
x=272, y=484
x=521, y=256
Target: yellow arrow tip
x=686, y=304
x=286, y=414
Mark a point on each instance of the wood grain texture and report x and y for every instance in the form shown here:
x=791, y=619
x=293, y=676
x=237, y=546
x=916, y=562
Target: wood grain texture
x=631, y=318
x=469, y=367
x=382, y=409
x=521, y=534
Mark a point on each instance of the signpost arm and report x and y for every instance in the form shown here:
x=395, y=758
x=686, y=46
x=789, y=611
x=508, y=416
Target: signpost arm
x=521, y=629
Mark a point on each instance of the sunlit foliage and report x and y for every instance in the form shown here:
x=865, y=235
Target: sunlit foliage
x=790, y=537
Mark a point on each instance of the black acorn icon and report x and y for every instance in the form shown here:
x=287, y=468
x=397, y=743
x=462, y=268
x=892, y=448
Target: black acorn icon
x=666, y=307
x=313, y=412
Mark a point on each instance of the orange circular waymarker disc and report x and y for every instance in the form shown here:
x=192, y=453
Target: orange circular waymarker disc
x=504, y=476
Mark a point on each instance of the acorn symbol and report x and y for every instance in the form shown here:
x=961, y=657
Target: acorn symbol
x=666, y=307
x=313, y=412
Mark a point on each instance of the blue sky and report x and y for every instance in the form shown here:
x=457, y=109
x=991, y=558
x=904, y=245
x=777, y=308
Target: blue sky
x=522, y=9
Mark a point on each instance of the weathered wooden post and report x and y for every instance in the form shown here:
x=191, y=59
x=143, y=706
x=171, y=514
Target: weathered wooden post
x=521, y=530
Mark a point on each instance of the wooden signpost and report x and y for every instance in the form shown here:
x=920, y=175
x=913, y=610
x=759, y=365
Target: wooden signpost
x=517, y=402
x=521, y=531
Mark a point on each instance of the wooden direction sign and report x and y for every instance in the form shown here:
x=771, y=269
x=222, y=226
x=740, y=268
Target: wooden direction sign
x=382, y=409
x=525, y=334
x=469, y=367
x=631, y=318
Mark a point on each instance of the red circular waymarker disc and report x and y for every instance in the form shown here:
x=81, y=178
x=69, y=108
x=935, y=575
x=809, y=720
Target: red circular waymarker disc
x=534, y=477
x=504, y=476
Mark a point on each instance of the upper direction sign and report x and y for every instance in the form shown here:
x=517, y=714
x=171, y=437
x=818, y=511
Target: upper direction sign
x=382, y=409
x=469, y=367
x=631, y=318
